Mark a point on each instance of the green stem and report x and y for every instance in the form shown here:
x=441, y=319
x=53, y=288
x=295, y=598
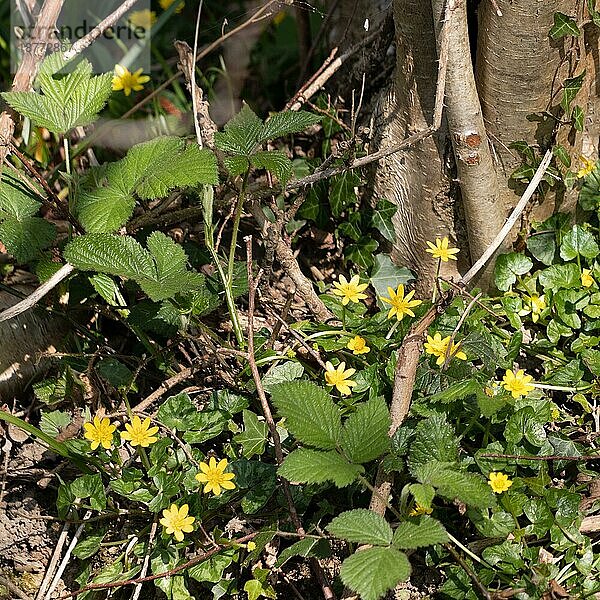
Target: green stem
x=236, y=227
x=67, y=155
x=435, y=283
x=393, y=328
x=144, y=457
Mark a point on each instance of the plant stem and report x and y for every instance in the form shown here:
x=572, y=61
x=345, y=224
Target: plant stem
x=67, y=155
x=436, y=282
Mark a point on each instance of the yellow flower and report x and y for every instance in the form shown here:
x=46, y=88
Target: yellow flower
x=400, y=304
x=127, y=81
x=535, y=305
x=358, y=345
x=588, y=166
x=164, y=4
x=586, y=279
x=419, y=509
x=100, y=433
x=438, y=347
x=340, y=378
x=517, y=384
x=176, y=521
x=139, y=433
x=350, y=291
x=214, y=476
x=499, y=482
x=143, y=18
x=440, y=250
x=250, y=546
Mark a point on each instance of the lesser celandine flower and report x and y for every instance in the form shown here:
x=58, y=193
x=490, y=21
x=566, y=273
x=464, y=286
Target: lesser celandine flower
x=358, y=345
x=250, y=546
x=127, y=81
x=99, y=432
x=440, y=250
x=214, y=476
x=419, y=509
x=164, y=4
x=586, y=278
x=400, y=304
x=139, y=433
x=143, y=18
x=340, y=378
x=350, y=291
x=518, y=384
x=588, y=166
x=437, y=346
x=499, y=482
x=535, y=305
x=176, y=521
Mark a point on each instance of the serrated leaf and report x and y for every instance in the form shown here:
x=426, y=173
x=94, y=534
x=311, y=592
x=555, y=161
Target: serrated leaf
x=382, y=219
x=450, y=483
x=288, y=371
x=103, y=210
x=16, y=200
x=242, y=133
x=508, y=266
x=362, y=526
x=274, y=161
x=365, y=433
x=563, y=25
x=310, y=413
x=425, y=532
x=434, y=439
x=313, y=466
x=576, y=242
x=236, y=165
x=284, y=123
x=374, y=571
x=571, y=88
x=254, y=436
x=110, y=254
x=26, y=238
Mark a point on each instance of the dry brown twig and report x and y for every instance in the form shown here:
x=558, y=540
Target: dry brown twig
x=266, y=409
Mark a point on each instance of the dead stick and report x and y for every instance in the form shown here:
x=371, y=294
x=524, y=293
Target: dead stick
x=266, y=409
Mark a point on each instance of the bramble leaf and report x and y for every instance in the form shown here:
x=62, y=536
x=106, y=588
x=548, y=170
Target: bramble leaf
x=313, y=466
x=426, y=532
x=362, y=526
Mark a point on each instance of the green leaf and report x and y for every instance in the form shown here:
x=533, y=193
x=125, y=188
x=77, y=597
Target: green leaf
x=386, y=274
x=242, y=133
x=288, y=371
x=589, y=196
x=542, y=246
x=103, y=210
x=362, y=526
x=306, y=547
x=89, y=545
x=254, y=436
x=312, y=466
x=276, y=162
x=561, y=153
x=342, y=194
x=54, y=422
x=450, y=483
x=382, y=219
x=423, y=494
x=426, y=532
x=434, y=439
x=578, y=242
x=365, y=434
x=213, y=568
x=236, y=165
x=310, y=413
x=591, y=358
x=25, y=239
x=68, y=101
x=508, y=266
x=561, y=276
x=16, y=200
x=361, y=253
x=578, y=116
x=115, y=372
x=90, y=486
x=571, y=88
x=372, y=572
x=287, y=122
x=563, y=25
x=179, y=412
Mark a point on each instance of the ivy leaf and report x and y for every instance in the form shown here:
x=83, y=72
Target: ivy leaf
x=365, y=434
x=576, y=242
x=578, y=116
x=362, y=526
x=372, y=572
x=313, y=466
x=508, y=266
x=563, y=25
x=342, y=192
x=361, y=253
x=288, y=371
x=242, y=133
x=310, y=413
x=382, y=219
x=254, y=436
x=571, y=88
x=386, y=274
x=426, y=532
x=274, y=161
x=284, y=123
x=306, y=547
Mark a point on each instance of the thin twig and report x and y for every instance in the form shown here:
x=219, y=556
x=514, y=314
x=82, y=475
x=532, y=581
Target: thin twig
x=543, y=457
x=85, y=42
x=465, y=567
x=138, y=586
x=53, y=561
x=38, y=294
x=266, y=409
